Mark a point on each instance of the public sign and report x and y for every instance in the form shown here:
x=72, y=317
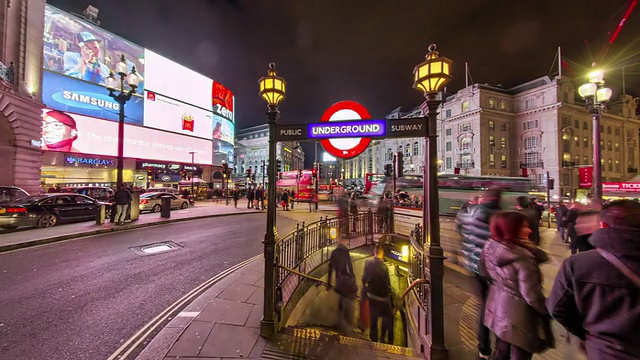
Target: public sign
x=345, y=148
x=291, y=132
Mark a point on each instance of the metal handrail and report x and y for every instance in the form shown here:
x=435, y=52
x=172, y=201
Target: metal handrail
x=309, y=277
x=412, y=285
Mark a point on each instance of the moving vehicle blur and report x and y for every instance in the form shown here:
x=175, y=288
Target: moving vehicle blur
x=48, y=210
x=300, y=181
x=153, y=202
x=10, y=193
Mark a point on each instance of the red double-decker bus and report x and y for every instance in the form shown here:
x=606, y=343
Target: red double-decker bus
x=300, y=181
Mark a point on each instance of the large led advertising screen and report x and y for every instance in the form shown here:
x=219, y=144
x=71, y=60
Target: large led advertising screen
x=161, y=112
x=223, y=129
x=75, y=133
x=84, y=51
x=176, y=81
x=63, y=93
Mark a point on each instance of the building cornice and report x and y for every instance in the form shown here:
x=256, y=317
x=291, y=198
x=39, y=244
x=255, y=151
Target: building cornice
x=540, y=109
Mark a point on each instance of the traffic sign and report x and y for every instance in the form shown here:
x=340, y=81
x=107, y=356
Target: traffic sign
x=345, y=148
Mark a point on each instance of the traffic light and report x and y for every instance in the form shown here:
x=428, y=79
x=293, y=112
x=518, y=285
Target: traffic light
x=319, y=169
x=253, y=177
x=551, y=183
x=278, y=165
x=399, y=165
x=388, y=170
x=225, y=169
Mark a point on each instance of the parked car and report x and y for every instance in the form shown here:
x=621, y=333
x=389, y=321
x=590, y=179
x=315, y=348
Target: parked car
x=48, y=210
x=153, y=201
x=10, y=193
x=100, y=193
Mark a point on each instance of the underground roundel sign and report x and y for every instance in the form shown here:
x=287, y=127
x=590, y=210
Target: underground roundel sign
x=345, y=148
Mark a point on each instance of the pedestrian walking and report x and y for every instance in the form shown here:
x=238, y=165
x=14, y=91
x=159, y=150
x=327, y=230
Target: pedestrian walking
x=376, y=289
x=285, y=200
x=583, y=222
x=474, y=227
x=236, y=197
x=561, y=220
x=345, y=284
x=596, y=294
x=250, y=197
x=292, y=199
x=528, y=208
x=515, y=309
x=122, y=199
x=353, y=210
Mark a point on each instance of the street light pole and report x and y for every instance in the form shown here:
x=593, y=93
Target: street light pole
x=430, y=76
x=192, y=172
x=133, y=79
x=596, y=96
x=315, y=163
x=272, y=89
x=263, y=168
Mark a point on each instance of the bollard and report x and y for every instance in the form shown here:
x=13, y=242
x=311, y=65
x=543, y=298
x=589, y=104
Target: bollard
x=165, y=211
x=100, y=214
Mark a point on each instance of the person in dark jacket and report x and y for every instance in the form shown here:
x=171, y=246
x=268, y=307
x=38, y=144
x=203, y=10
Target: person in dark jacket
x=250, y=196
x=376, y=287
x=236, y=197
x=579, y=235
x=345, y=284
x=122, y=199
x=515, y=310
x=561, y=221
x=474, y=227
x=526, y=206
x=595, y=300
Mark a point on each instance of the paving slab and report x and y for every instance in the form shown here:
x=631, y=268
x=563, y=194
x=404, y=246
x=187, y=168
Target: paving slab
x=226, y=312
x=192, y=339
x=238, y=292
x=229, y=341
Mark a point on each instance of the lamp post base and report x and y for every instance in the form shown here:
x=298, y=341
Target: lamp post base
x=267, y=328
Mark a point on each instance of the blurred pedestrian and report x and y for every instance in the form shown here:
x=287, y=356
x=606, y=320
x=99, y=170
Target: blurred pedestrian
x=584, y=221
x=285, y=200
x=345, y=284
x=474, y=227
x=122, y=199
x=376, y=288
x=515, y=309
x=528, y=208
x=561, y=220
x=236, y=197
x=292, y=199
x=250, y=196
x=596, y=294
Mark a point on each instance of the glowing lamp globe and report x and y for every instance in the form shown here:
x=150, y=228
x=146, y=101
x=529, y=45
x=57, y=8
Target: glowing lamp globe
x=272, y=86
x=432, y=74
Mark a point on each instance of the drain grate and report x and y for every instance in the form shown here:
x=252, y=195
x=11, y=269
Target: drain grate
x=155, y=248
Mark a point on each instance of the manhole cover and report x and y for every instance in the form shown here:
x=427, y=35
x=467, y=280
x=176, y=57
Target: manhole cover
x=155, y=248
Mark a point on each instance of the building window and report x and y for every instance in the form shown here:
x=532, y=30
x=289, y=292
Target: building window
x=492, y=103
x=399, y=149
x=465, y=144
x=492, y=160
x=566, y=146
x=503, y=142
x=503, y=127
x=447, y=146
x=610, y=163
x=602, y=129
x=617, y=146
x=503, y=105
x=407, y=150
x=609, y=130
x=447, y=163
x=530, y=103
x=415, y=148
x=447, y=113
x=609, y=146
x=566, y=178
x=576, y=124
x=585, y=126
x=617, y=131
x=585, y=160
x=492, y=140
x=503, y=161
x=491, y=124
x=585, y=142
x=389, y=154
x=576, y=160
x=617, y=166
x=465, y=127
x=447, y=132
x=542, y=180
x=465, y=106
x=532, y=159
x=530, y=142
x=577, y=140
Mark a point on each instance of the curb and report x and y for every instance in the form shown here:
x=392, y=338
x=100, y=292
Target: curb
x=131, y=226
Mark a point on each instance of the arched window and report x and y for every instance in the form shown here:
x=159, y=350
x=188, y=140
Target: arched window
x=465, y=144
x=407, y=150
x=389, y=154
x=400, y=149
x=415, y=148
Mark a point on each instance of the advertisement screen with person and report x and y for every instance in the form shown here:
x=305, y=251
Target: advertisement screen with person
x=84, y=51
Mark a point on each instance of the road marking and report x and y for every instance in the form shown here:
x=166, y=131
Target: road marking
x=146, y=330
x=188, y=314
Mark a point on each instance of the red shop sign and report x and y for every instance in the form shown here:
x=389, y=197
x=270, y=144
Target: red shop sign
x=586, y=176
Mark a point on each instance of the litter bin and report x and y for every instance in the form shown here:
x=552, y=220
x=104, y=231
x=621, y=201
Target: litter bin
x=165, y=202
x=100, y=214
x=134, y=211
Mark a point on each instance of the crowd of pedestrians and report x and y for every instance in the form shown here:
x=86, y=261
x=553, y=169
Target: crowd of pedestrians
x=595, y=296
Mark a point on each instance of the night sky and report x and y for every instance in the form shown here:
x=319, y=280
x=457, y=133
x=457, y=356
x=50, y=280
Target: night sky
x=365, y=50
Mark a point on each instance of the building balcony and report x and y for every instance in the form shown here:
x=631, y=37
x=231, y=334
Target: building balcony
x=632, y=170
x=466, y=165
x=532, y=165
x=467, y=151
x=567, y=164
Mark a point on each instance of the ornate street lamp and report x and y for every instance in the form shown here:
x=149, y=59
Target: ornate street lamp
x=430, y=77
x=596, y=96
x=126, y=87
x=272, y=90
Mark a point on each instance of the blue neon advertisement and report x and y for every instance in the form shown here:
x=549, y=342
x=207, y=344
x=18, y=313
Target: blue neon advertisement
x=67, y=94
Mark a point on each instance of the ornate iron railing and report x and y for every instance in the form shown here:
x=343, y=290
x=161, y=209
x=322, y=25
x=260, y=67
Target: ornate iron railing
x=310, y=245
x=420, y=280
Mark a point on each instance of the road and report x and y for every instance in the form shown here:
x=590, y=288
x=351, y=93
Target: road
x=81, y=299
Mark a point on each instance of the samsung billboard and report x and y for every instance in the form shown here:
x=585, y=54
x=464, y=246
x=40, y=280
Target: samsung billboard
x=185, y=105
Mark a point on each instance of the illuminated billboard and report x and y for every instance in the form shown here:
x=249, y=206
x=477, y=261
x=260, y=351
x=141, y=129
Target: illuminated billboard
x=223, y=129
x=223, y=101
x=84, y=51
x=63, y=93
x=75, y=133
x=161, y=112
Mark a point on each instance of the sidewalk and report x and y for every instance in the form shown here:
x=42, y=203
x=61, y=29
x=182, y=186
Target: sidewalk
x=224, y=322
x=21, y=238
